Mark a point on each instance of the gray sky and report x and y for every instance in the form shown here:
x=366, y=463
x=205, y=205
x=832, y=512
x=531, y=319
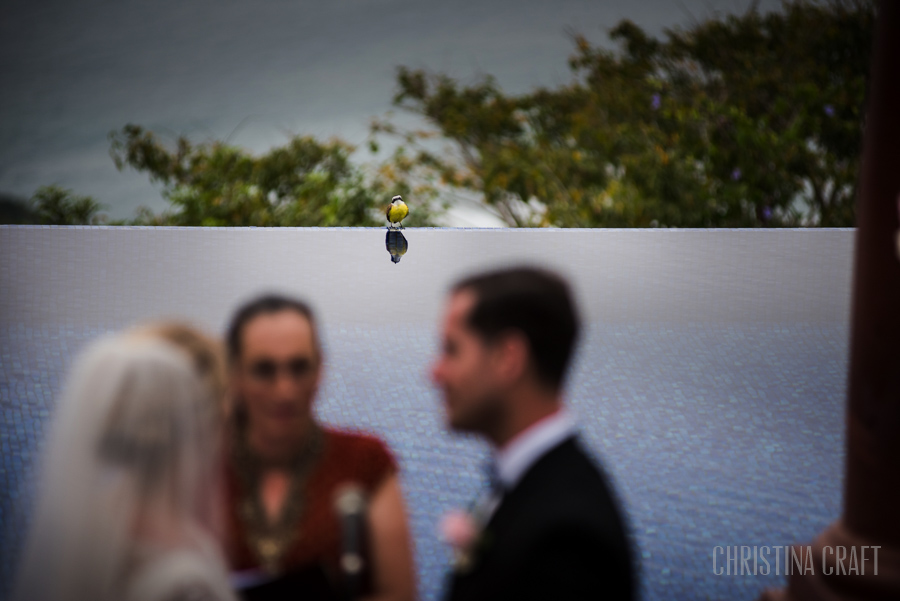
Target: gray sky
x=72, y=70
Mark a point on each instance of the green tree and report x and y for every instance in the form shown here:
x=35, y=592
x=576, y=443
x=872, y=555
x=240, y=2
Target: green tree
x=53, y=205
x=304, y=183
x=740, y=121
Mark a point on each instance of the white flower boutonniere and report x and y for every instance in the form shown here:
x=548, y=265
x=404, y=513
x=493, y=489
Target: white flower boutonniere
x=461, y=531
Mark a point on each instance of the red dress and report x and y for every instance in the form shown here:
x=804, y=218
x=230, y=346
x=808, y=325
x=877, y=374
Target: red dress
x=345, y=458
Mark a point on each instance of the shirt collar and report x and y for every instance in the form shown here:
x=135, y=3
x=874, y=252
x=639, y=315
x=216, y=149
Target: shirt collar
x=514, y=459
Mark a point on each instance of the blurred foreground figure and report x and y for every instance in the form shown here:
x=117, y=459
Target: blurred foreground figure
x=126, y=482
x=207, y=354
x=287, y=476
x=550, y=527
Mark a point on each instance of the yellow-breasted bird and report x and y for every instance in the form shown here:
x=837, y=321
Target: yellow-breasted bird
x=396, y=211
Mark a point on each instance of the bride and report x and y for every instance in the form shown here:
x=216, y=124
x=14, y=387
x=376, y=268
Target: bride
x=124, y=495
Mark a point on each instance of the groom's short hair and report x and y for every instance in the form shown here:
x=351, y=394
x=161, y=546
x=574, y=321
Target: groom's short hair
x=534, y=302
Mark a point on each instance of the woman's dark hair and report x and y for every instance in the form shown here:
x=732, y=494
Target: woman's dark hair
x=265, y=305
x=532, y=301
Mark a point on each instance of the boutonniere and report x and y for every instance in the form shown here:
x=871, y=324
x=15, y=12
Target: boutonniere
x=462, y=532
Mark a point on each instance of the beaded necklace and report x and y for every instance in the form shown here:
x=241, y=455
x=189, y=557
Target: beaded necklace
x=270, y=540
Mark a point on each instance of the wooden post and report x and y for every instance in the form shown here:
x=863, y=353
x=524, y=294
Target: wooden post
x=871, y=513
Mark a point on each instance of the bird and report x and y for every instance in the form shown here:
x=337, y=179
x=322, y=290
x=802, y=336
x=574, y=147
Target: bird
x=396, y=211
x=396, y=244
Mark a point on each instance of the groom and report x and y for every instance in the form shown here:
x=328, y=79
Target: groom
x=550, y=528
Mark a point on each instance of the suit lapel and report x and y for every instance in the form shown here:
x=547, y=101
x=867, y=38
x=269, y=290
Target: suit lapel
x=509, y=498
x=498, y=524
x=485, y=559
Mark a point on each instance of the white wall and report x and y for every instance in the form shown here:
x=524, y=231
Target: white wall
x=112, y=276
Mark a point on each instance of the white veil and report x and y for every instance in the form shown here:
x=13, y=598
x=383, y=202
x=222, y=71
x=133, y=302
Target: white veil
x=133, y=433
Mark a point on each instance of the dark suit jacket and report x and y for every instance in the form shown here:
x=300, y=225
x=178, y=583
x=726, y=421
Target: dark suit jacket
x=557, y=535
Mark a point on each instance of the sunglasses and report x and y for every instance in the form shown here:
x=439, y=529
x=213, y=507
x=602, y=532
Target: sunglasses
x=267, y=370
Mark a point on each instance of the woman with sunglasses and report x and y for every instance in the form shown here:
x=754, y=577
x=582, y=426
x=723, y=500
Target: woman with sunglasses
x=285, y=472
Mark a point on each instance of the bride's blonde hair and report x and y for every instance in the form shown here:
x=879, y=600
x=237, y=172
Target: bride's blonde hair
x=207, y=354
x=134, y=432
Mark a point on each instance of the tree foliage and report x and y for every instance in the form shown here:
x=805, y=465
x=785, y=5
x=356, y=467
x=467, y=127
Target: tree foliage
x=740, y=121
x=53, y=205
x=737, y=121
x=304, y=183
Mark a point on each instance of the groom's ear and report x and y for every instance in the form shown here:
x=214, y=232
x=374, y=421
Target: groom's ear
x=511, y=357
